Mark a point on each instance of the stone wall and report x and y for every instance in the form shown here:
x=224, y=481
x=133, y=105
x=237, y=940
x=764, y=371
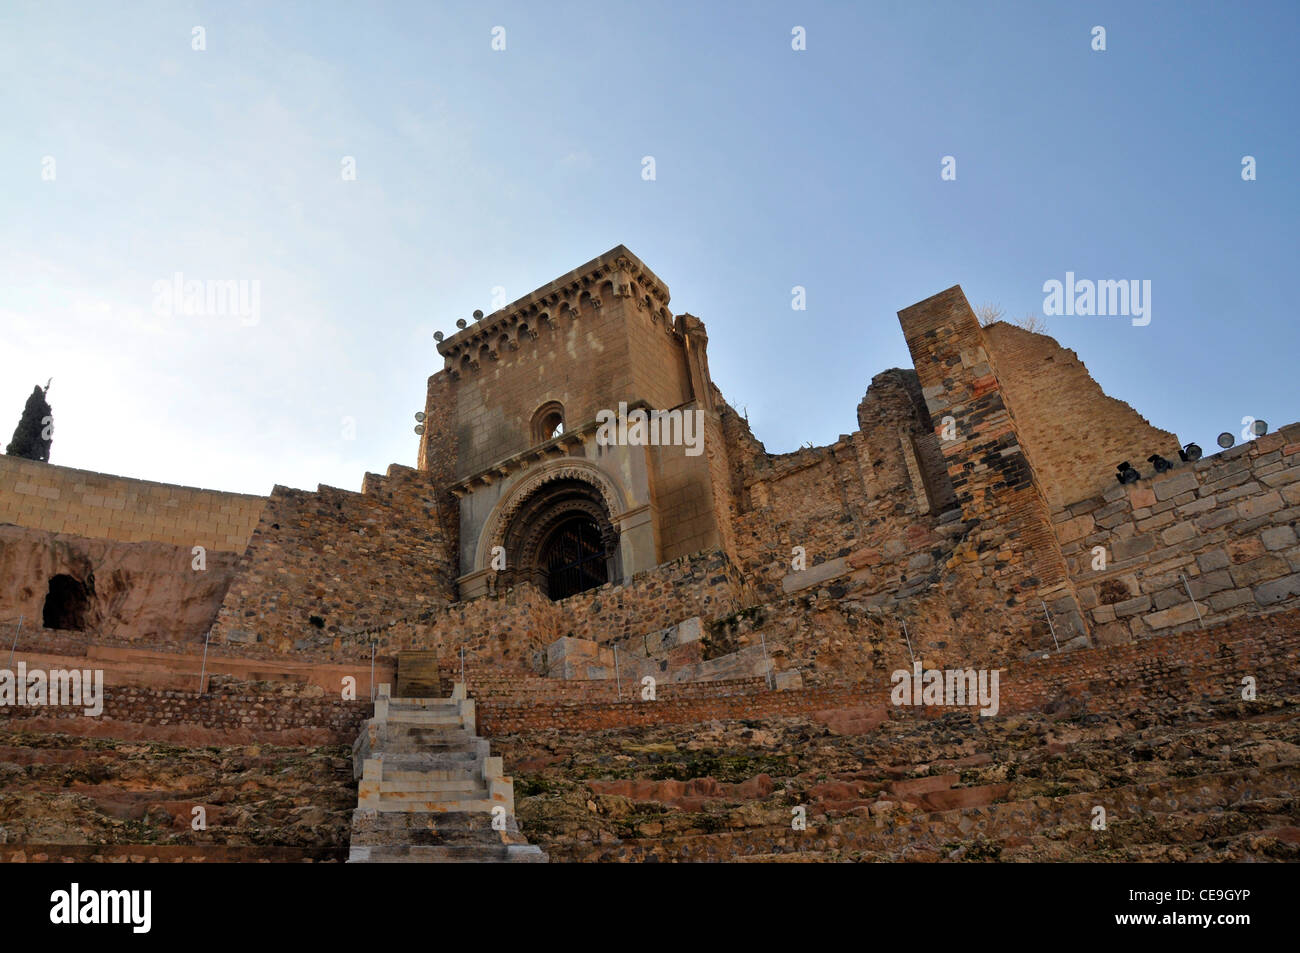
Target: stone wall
x=1074, y=434
x=1011, y=545
x=81, y=503
x=353, y=561
x=881, y=489
x=513, y=628
x=260, y=715
x=1205, y=665
x=1226, y=524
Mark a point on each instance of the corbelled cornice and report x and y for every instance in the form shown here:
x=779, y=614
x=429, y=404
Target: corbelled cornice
x=555, y=301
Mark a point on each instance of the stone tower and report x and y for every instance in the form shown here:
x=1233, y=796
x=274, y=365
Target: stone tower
x=513, y=428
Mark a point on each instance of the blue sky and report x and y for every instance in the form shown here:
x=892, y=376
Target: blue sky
x=478, y=168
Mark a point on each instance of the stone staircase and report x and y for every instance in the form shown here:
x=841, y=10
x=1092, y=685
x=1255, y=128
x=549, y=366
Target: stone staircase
x=429, y=790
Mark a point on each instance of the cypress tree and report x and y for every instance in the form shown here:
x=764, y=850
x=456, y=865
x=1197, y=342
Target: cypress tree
x=30, y=440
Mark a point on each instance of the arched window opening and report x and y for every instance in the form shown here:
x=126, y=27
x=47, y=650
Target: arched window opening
x=66, y=604
x=548, y=422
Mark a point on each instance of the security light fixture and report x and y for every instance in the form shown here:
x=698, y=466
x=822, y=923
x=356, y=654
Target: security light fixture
x=1260, y=427
x=1126, y=474
x=460, y=323
x=1190, y=453
x=1160, y=463
x=437, y=336
x=1226, y=440
x=419, y=429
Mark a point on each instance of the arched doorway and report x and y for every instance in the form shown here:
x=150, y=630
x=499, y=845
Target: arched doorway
x=561, y=540
x=574, y=557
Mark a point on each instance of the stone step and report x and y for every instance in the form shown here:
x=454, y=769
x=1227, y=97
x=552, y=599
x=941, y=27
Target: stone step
x=428, y=785
x=423, y=704
x=371, y=823
x=471, y=770
x=415, y=716
x=448, y=854
x=393, y=803
x=421, y=759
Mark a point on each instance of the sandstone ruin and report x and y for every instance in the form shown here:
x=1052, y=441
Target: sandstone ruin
x=638, y=651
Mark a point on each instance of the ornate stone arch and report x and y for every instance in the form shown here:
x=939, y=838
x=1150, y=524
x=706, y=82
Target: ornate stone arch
x=503, y=515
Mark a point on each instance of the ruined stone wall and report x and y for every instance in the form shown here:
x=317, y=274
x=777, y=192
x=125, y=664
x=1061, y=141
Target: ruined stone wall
x=259, y=714
x=1011, y=546
x=1074, y=434
x=512, y=628
x=1227, y=523
x=353, y=560
x=78, y=502
x=870, y=492
x=1206, y=665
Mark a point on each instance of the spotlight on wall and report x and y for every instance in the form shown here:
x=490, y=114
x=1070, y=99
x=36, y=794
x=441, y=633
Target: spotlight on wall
x=460, y=323
x=437, y=336
x=419, y=429
x=1260, y=428
x=1226, y=440
x=1160, y=463
x=1190, y=453
x=1126, y=474
x=419, y=416
x=478, y=315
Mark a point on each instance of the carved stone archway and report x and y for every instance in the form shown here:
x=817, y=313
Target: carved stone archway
x=503, y=515
x=561, y=539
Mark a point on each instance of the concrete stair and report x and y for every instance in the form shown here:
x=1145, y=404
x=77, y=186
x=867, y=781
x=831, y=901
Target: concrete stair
x=429, y=789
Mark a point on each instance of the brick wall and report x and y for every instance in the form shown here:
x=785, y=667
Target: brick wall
x=97, y=505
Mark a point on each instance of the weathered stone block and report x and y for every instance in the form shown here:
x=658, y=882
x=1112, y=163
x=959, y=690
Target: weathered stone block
x=1214, y=559
x=1126, y=549
x=1279, y=537
x=1132, y=606
x=1170, y=487
x=1258, y=570
x=1279, y=590
x=1177, y=615
x=1179, y=533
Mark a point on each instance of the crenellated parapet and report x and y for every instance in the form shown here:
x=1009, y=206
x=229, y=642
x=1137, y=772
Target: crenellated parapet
x=581, y=293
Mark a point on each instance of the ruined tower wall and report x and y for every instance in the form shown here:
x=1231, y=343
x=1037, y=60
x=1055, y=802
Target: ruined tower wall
x=1074, y=434
x=870, y=491
x=1012, y=545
